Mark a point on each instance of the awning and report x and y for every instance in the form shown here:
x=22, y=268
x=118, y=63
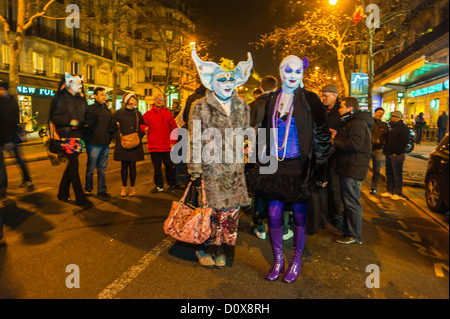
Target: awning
x=409, y=75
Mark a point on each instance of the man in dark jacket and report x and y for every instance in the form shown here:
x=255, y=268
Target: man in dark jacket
x=379, y=134
x=199, y=94
x=418, y=126
x=98, y=138
x=353, y=149
x=442, y=125
x=331, y=101
x=396, y=142
x=9, y=118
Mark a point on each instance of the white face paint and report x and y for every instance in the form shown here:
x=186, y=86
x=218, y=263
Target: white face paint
x=224, y=85
x=292, y=74
x=74, y=83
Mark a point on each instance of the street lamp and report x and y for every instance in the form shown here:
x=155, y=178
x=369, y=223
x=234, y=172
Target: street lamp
x=332, y=2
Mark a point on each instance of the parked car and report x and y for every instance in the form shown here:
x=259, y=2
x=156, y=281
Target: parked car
x=411, y=141
x=436, y=178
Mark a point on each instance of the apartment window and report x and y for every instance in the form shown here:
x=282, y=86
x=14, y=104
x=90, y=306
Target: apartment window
x=149, y=92
x=75, y=68
x=57, y=66
x=148, y=74
x=5, y=56
x=148, y=56
x=90, y=74
x=39, y=64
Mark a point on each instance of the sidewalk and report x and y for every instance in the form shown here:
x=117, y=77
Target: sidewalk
x=415, y=166
x=414, y=171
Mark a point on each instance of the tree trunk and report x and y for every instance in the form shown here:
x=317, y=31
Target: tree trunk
x=343, y=76
x=370, y=71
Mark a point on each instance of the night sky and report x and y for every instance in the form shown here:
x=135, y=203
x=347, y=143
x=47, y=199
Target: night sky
x=232, y=25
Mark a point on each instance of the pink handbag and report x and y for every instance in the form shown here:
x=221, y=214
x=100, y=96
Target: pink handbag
x=187, y=223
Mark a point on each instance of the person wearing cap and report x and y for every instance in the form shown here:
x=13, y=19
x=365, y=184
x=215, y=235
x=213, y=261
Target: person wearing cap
x=124, y=122
x=396, y=142
x=379, y=134
x=159, y=123
x=331, y=101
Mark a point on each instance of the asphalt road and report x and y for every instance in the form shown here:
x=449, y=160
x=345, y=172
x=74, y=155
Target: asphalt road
x=118, y=250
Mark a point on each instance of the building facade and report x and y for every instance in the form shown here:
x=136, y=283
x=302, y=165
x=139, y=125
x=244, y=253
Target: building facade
x=415, y=79
x=52, y=47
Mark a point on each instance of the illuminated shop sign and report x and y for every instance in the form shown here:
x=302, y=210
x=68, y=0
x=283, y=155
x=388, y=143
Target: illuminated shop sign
x=35, y=91
x=430, y=89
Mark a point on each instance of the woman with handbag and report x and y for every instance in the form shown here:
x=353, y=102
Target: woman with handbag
x=223, y=182
x=67, y=113
x=128, y=135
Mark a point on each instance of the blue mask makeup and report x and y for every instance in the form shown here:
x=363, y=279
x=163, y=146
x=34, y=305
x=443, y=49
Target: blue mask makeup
x=222, y=82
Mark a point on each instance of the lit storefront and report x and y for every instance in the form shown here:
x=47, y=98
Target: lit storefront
x=430, y=98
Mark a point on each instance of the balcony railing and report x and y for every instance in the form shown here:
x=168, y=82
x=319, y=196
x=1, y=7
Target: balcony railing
x=63, y=38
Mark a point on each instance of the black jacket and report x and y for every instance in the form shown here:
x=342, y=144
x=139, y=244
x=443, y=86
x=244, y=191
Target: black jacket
x=199, y=94
x=353, y=146
x=312, y=132
x=334, y=118
x=397, y=139
x=65, y=108
x=379, y=134
x=9, y=118
x=99, y=129
x=257, y=109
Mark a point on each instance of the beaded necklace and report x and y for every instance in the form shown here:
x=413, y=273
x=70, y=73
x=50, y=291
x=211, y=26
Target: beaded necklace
x=275, y=117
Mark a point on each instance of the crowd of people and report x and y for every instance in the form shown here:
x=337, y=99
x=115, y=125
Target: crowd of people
x=323, y=148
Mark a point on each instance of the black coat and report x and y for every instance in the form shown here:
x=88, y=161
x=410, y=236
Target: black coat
x=379, y=134
x=334, y=118
x=65, y=108
x=353, y=146
x=9, y=118
x=199, y=94
x=127, y=125
x=397, y=139
x=312, y=132
x=257, y=109
x=99, y=129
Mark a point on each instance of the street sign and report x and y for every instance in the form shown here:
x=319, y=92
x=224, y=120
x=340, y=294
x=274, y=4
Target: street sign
x=359, y=87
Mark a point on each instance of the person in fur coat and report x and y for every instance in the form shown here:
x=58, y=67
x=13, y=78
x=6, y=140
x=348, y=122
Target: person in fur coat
x=214, y=156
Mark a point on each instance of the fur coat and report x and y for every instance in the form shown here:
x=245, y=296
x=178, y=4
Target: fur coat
x=224, y=180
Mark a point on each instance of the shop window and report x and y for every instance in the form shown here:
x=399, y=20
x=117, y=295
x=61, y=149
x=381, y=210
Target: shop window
x=39, y=64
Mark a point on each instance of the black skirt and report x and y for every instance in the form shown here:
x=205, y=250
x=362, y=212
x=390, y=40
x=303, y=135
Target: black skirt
x=287, y=184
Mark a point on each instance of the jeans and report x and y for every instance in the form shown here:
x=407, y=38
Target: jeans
x=376, y=157
x=441, y=134
x=333, y=194
x=97, y=158
x=419, y=135
x=351, y=198
x=25, y=175
x=394, y=173
x=157, y=159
